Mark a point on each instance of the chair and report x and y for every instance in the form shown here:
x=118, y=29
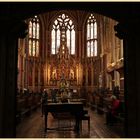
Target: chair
x=85, y=116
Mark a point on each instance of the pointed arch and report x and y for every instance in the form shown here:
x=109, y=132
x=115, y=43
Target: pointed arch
x=63, y=29
x=34, y=36
x=91, y=36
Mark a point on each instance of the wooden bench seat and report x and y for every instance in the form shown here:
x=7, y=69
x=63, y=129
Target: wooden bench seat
x=85, y=116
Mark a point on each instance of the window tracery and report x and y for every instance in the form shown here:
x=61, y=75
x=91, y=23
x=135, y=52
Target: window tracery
x=63, y=30
x=91, y=36
x=33, y=41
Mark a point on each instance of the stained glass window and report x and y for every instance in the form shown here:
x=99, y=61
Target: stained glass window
x=30, y=47
x=30, y=29
x=34, y=37
x=63, y=30
x=91, y=36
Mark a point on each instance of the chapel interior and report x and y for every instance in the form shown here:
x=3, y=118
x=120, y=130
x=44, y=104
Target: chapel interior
x=70, y=51
x=69, y=70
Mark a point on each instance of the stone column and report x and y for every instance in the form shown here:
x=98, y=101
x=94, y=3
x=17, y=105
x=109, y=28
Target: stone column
x=45, y=75
x=10, y=32
x=80, y=43
x=86, y=71
x=33, y=76
x=23, y=72
x=121, y=72
x=130, y=33
x=26, y=66
x=112, y=78
x=92, y=75
x=39, y=76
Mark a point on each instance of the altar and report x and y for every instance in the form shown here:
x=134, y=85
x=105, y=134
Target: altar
x=63, y=66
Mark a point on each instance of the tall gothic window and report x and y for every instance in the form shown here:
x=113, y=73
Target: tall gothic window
x=34, y=37
x=91, y=36
x=63, y=30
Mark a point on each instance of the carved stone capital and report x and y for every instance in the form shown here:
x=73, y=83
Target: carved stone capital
x=127, y=29
x=120, y=31
x=19, y=29
x=14, y=28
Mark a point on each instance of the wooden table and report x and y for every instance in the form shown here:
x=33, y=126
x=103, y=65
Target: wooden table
x=78, y=100
x=75, y=108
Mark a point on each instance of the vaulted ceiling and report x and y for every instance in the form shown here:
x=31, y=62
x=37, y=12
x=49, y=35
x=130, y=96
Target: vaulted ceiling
x=120, y=11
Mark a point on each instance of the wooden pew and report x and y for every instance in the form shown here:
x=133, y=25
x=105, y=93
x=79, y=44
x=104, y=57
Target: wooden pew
x=25, y=104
